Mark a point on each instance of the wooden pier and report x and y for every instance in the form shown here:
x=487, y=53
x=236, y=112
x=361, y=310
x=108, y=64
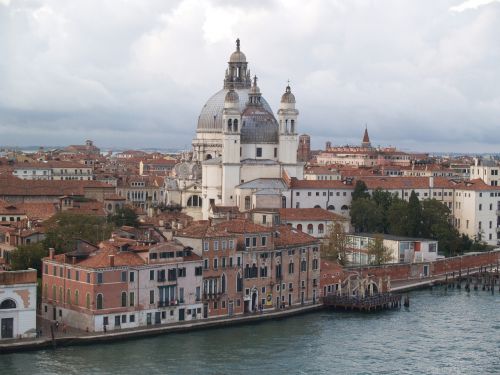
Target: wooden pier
x=381, y=301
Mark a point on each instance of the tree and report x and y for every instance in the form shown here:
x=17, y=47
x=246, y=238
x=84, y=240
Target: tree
x=384, y=200
x=28, y=256
x=378, y=252
x=414, y=220
x=360, y=191
x=125, y=216
x=65, y=228
x=366, y=216
x=337, y=245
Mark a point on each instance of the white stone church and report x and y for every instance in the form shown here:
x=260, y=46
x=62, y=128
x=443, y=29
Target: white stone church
x=243, y=149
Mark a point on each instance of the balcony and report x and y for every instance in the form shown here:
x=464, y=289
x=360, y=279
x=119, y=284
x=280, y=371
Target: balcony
x=211, y=296
x=168, y=303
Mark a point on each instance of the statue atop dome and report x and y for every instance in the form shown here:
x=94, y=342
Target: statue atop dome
x=237, y=75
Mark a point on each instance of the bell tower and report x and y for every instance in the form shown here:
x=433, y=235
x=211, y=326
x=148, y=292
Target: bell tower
x=288, y=138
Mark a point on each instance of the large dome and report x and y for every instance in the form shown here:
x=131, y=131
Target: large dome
x=210, y=119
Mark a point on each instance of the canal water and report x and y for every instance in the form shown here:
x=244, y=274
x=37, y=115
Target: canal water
x=442, y=332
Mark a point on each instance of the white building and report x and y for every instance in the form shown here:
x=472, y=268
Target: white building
x=238, y=139
x=401, y=249
x=486, y=170
x=17, y=304
x=54, y=170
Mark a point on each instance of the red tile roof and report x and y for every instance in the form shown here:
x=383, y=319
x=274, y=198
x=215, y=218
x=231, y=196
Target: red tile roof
x=312, y=214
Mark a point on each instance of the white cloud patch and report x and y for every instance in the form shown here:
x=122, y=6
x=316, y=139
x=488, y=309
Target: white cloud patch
x=138, y=74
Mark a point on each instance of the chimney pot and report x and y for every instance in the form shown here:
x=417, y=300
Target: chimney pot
x=51, y=253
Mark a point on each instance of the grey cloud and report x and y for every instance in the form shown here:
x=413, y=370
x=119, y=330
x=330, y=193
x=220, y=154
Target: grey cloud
x=136, y=75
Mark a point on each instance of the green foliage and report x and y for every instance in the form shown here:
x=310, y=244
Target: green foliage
x=360, y=191
x=414, y=218
x=378, y=252
x=65, y=228
x=125, y=216
x=28, y=256
x=384, y=212
x=337, y=245
x=366, y=216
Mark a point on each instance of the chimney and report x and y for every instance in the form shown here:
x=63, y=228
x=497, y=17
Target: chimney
x=111, y=260
x=51, y=253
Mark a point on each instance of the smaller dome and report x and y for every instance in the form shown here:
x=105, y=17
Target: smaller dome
x=232, y=97
x=238, y=57
x=288, y=97
x=254, y=89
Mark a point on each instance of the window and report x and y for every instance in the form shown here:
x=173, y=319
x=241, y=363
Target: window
x=216, y=245
x=264, y=219
x=77, y=275
x=99, y=278
x=275, y=152
x=321, y=229
x=224, y=262
x=87, y=302
x=194, y=201
x=480, y=207
x=216, y=263
x=310, y=229
x=124, y=299
x=258, y=152
x=254, y=241
x=99, y=302
x=132, y=277
x=151, y=297
x=198, y=271
x=77, y=297
x=124, y=276
x=132, y=298
x=264, y=240
x=131, y=318
x=290, y=268
x=181, y=272
x=231, y=244
x=206, y=245
x=205, y=264
x=315, y=264
x=69, y=274
x=247, y=203
x=151, y=275
x=303, y=265
x=299, y=227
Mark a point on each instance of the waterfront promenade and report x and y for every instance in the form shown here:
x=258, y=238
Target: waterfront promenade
x=70, y=336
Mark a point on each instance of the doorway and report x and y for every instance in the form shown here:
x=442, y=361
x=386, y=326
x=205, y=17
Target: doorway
x=157, y=317
x=7, y=331
x=254, y=301
x=181, y=315
x=289, y=299
x=426, y=270
x=205, y=310
x=230, y=308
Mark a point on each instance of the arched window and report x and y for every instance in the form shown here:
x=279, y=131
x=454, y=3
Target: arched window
x=60, y=294
x=299, y=227
x=321, y=228
x=223, y=283
x=239, y=283
x=344, y=208
x=99, y=302
x=229, y=125
x=283, y=202
x=68, y=297
x=247, y=203
x=194, y=201
x=235, y=125
x=208, y=157
x=317, y=206
x=331, y=207
x=303, y=265
x=124, y=299
x=77, y=297
x=310, y=228
x=8, y=304
x=87, y=302
x=292, y=127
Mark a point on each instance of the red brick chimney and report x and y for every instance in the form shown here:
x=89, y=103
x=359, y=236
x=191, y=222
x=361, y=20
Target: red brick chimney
x=111, y=260
x=51, y=253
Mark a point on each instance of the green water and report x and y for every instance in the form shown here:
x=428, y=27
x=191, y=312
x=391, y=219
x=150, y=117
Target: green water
x=443, y=332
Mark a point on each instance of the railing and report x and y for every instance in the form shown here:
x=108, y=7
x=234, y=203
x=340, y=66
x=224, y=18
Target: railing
x=168, y=303
x=211, y=295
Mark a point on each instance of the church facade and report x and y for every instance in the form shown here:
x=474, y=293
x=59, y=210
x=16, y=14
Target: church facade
x=238, y=139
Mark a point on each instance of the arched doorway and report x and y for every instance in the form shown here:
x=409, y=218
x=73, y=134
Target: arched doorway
x=254, y=301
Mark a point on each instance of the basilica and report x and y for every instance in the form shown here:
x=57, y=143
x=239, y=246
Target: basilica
x=245, y=153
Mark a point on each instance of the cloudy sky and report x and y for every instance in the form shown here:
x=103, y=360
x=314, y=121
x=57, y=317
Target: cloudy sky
x=423, y=75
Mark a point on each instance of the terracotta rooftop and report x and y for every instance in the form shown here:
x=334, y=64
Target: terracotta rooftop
x=313, y=214
x=287, y=236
